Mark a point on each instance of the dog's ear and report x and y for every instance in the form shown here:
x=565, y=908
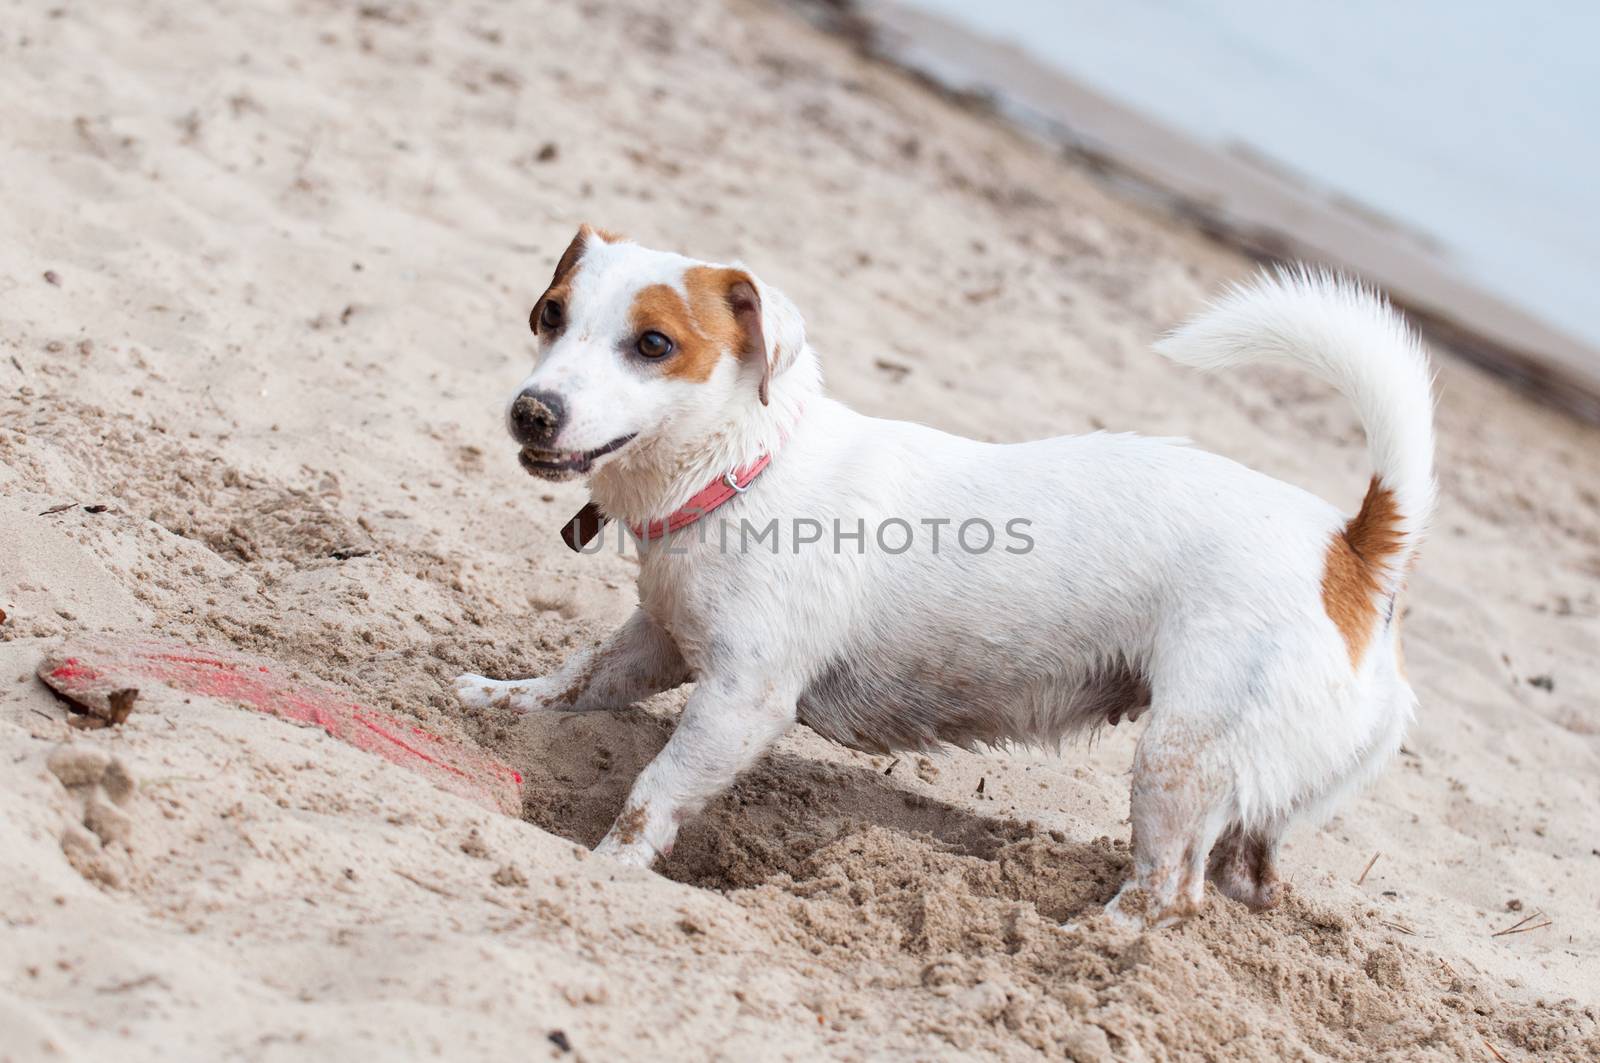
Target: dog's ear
x=770, y=324
x=566, y=264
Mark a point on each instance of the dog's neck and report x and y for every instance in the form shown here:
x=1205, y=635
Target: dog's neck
x=652, y=484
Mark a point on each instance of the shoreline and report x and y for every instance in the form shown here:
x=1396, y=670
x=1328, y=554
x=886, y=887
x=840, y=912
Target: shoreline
x=1234, y=195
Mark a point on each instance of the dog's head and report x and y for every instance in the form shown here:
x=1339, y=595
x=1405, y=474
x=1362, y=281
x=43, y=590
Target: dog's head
x=635, y=345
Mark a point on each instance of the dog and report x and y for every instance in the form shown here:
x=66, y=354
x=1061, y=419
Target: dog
x=1252, y=624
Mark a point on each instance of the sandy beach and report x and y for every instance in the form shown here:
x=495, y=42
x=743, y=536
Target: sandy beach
x=265, y=271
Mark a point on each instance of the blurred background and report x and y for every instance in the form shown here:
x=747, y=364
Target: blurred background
x=1446, y=150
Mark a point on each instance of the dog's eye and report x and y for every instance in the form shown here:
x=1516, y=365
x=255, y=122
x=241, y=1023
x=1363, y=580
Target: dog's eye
x=654, y=345
x=550, y=316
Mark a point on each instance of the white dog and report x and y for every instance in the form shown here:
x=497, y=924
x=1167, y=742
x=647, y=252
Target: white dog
x=802, y=562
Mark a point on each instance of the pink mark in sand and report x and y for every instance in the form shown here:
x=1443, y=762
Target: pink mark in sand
x=87, y=671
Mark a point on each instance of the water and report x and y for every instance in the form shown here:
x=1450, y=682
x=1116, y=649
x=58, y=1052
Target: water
x=1475, y=122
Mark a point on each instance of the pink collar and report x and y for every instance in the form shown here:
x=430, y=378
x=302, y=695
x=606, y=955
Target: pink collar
x=709, y=497
x=588, y=521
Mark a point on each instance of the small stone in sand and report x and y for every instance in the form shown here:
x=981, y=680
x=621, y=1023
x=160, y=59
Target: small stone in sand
x=473, y=845
x=509, y=875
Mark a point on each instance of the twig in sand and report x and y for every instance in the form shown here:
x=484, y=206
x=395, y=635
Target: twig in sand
x=1521, y=925
x=132, y=983
x=424, y=883
x=1364, y=870
x=1397, y=926
x=172, y=780
x=1496, y=1052
x=215, y=405
x=62, y=508
x=1525, y=929
x=1519, y=922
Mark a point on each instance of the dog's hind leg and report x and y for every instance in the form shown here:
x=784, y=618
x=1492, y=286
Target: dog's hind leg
x=1243, y=866
x=727, y=724
x=638, y=660
x=1182, y=800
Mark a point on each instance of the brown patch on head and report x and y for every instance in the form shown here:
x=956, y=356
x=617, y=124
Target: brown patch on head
x=561, y=282
x=1352, y=574
x=745, y=302
x=704, y=322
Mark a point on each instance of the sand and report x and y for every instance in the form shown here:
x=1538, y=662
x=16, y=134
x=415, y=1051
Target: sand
x=265, y=270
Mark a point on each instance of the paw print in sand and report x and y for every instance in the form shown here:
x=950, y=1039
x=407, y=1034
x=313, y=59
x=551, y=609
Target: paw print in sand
x=98, y=845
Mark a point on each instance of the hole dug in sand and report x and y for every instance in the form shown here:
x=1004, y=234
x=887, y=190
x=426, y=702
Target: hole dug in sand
x=931, y=920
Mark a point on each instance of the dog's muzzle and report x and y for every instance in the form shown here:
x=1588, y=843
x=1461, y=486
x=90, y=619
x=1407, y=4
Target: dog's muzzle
x=536, y=420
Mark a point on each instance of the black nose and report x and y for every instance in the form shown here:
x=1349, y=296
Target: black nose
x=537, y=417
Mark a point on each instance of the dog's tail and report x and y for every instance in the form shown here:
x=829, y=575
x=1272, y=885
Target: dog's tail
x=1349, y=336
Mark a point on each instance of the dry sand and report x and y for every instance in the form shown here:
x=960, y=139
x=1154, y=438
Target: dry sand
x=264, y=271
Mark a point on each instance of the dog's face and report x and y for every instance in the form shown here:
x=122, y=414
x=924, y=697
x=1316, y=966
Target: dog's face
x=639, y=346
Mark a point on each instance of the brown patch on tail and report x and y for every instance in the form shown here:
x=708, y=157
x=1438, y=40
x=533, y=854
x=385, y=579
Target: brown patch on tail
x=1357, y=556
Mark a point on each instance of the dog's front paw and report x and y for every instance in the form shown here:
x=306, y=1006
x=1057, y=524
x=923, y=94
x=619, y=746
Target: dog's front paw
x=634, y=854
x=1137, y=908
x=518, y=695
x=479, y=692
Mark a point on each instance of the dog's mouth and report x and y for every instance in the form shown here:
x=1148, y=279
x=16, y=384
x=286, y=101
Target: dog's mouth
x=565, y=464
